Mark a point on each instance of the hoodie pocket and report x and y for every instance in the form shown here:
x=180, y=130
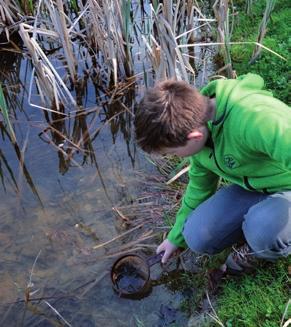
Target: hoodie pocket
x=248, y=185
x=251, y=188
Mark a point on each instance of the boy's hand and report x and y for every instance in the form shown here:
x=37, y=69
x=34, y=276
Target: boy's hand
x=169, y=249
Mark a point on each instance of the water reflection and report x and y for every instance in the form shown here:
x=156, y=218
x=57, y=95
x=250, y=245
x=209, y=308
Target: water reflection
x=59, y=184
x=67, y=186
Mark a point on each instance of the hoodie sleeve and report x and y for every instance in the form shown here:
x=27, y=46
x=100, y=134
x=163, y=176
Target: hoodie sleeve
x=202, y=184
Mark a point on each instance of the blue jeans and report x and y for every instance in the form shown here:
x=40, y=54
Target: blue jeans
x=233, y=214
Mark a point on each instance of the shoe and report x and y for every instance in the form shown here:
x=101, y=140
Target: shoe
x=214, y=278
x=241, y=260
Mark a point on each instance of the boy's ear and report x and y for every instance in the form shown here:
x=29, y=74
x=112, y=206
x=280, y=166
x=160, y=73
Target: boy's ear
x=196, y=134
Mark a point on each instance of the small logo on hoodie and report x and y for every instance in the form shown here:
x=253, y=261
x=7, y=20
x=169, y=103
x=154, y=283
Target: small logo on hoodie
x=230, y=161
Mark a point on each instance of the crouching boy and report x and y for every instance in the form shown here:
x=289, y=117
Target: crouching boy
x=235, y=131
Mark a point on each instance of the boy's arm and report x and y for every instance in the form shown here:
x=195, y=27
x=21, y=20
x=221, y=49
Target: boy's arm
x=202, y=184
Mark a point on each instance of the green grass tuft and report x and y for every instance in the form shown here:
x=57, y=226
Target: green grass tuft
x=258, y=300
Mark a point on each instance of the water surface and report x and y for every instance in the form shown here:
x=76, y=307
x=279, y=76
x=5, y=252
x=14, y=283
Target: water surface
x=58, y=187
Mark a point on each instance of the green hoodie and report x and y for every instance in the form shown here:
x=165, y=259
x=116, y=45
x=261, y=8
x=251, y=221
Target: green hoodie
x=250, y=145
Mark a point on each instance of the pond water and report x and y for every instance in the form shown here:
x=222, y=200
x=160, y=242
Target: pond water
x=53, y=212
x=58, y=187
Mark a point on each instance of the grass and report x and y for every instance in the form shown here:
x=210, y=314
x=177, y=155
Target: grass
x=258, y=300
x=277, y=37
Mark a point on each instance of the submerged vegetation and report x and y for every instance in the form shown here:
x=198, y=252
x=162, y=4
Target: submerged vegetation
x=119, y=47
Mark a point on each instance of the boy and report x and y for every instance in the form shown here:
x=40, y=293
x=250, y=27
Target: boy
x=233, y=130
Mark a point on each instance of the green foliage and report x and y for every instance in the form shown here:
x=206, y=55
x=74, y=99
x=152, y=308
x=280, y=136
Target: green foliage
x=74, y=5
x=5, y=114
x=258, y=300
x=27, y=6
x=273, y=69
x=125, y=12
x=155, y=4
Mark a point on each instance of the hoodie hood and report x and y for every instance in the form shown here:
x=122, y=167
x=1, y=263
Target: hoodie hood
x=231, y=92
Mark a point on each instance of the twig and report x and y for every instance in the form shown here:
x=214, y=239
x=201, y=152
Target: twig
x=91, y=285
x=137, y=242
x=121, y=215
x=98, y=246
x=231, y=43
x=58, y=314
x=127, y=109
x=215, y=316
x=39, y=299
x=148, y=246
x=32, y=269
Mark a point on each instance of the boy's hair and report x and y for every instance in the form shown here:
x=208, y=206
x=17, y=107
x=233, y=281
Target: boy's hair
x=167, y=114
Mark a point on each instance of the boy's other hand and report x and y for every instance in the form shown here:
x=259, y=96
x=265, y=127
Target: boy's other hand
x=169, y=249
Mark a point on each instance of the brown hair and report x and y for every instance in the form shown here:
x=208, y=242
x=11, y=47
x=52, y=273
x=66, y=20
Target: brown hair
x=167, y=113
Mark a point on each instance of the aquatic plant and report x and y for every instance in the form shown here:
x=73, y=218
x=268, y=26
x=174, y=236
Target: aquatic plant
x=59, y=21
x=11, y=12
x=221, y=11
x=8, y=16
x=53, y=92
x=108, y=34
x=171, y=25
x=5, y=115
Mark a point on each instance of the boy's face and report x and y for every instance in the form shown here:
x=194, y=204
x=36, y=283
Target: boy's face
x=196, y=142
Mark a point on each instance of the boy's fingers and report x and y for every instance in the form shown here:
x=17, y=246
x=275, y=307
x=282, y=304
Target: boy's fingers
x=169, y=249
x=165, y=257
x=160, y=248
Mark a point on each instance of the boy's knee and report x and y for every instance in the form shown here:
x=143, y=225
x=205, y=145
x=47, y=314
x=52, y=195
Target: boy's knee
x=267, y=226
x=199, y=241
